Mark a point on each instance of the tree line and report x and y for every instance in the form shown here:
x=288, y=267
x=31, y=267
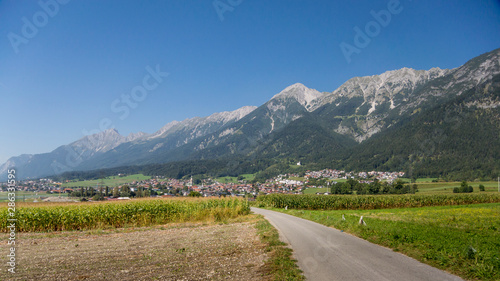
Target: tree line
x=375, y=187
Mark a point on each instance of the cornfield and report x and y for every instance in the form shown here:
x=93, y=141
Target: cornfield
x=120, y=214
x=353, y=202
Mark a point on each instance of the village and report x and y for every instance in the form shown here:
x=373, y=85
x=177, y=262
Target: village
x=167, y=187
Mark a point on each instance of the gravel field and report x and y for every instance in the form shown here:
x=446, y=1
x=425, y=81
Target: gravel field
x=187, y=251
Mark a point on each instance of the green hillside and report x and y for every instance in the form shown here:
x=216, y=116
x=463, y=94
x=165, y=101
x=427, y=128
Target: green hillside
x=456, y=139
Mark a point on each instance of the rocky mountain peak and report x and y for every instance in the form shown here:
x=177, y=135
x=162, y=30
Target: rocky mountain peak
x=307, y=97
x=200, y=125
x=481, y=68
x=385, y=86
x=165, y=128
x=135, y=136
x=229, y=116
x=100, y=142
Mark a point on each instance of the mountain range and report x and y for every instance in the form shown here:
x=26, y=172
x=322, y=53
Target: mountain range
x=433, y=122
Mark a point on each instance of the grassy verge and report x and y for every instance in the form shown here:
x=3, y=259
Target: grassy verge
x=464, y=240
x=280, y=263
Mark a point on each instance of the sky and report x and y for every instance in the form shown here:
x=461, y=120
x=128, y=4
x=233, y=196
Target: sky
x=71, y=68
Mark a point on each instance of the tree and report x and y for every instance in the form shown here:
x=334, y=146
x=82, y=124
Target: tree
x=360, y=188
x=481, y=187
x=413, y=179
x=116, y=192
x=194, y=194
x=335, y=188
x=398, y=187
x=125, y=191
x=352, y=183
x=98, y=197
x=374, y=187
x=385, y=188
x=341, y=188
x=464, y=187
x=76, y=194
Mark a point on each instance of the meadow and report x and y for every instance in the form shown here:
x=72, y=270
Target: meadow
x=314, y=190
x=426, y=186
x=464, y=240
x=101, y=215
x=28, y=196
x=247, y=177
x=109, y=181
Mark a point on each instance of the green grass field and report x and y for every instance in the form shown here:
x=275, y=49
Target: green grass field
x=426, y=186
x=248, y=177
x=447, y=187
x=28, y=196
x=419, y=179
x=464, y=240
x=109, y=181
x=313, y=190
x=425, y=180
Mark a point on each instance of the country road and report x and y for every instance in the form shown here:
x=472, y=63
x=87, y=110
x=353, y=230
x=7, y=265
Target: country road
x=325, y=253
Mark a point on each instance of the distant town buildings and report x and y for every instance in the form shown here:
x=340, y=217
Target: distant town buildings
x=160, y=186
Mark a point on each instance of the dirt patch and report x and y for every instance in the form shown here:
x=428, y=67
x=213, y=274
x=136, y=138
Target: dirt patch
x=183, y=252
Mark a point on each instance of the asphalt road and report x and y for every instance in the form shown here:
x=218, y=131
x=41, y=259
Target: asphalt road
x=325, y=253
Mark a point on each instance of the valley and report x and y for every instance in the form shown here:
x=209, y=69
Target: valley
x=250, y=140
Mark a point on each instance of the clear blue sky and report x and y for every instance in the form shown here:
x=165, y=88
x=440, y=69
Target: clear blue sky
x=63, y=77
